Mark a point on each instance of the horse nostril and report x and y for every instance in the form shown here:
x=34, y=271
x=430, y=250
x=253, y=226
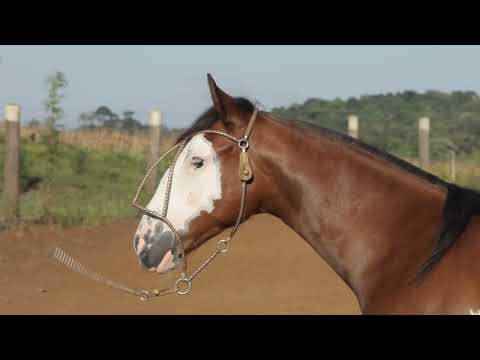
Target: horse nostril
x=144, y=258
x=152, y=254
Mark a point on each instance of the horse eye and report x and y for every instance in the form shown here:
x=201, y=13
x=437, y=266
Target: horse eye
x=197, y=162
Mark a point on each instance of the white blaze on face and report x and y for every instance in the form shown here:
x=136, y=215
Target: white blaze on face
x=196, y=185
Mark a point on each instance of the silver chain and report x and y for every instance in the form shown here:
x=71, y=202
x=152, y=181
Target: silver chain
x=64, y=258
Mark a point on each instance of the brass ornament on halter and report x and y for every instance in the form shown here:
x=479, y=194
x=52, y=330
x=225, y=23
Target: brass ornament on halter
x=245, y=170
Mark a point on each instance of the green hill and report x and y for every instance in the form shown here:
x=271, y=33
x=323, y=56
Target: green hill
x=390, y=121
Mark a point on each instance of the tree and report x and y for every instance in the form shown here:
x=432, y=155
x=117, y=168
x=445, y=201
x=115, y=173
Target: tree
x=390, y=122
x=56, y=83
x=87, y=119
x=129, y=122
x=105, y=117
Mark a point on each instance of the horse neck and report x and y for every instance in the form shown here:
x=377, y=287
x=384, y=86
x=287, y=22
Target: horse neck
x=373, y=222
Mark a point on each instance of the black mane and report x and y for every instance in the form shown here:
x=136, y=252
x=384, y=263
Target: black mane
x=211, y=115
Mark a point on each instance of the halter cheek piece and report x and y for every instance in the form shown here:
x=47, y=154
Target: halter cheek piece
x=184, y=284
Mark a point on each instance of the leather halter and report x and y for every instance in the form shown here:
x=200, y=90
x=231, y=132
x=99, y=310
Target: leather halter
x=245, y=174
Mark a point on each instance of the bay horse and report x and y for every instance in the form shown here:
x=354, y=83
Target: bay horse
x=402, y=239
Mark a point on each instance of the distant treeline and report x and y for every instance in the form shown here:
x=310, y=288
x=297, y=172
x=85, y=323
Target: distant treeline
x=390, y=121
x=104, y=117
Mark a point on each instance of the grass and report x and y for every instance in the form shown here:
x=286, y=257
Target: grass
x=86, y=187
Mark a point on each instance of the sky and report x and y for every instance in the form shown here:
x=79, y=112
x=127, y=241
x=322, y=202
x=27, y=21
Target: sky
x=173, y=78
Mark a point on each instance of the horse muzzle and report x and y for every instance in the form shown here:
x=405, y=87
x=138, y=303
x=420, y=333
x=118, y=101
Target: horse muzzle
x=159, y=252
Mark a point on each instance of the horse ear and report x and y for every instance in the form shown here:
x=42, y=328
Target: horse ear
x=224, y=103
x=215, y=92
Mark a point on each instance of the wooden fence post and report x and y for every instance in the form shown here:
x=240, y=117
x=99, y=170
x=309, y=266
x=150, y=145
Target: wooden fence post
x=453, y=170
x=423, y=142
x=11, y=185
x=155, y=126
x=353, y=126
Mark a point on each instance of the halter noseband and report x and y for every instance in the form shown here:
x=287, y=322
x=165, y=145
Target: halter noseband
x=183, y=285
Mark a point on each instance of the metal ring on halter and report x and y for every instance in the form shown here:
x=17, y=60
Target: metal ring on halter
x=243, y=144
x=223, y=245
x=184, y=281
x=145, y=295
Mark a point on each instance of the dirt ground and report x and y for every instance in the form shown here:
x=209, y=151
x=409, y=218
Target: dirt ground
x=269, y=270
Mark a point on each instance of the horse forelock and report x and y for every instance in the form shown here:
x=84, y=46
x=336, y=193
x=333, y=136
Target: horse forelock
x=206, y=120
